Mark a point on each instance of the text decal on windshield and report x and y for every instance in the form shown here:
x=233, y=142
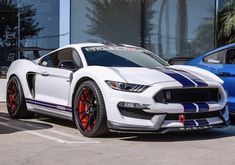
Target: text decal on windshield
x=108, y=48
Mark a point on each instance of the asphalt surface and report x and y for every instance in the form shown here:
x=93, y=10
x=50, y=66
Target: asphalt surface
x=49, y=141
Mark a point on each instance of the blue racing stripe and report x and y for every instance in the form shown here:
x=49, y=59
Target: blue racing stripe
x=178, y=77
x=189, y=123
x=203, y=107
x=189, y=107
x=52, y=104
x=48, y=105
x=202, y=122
x=196, y=79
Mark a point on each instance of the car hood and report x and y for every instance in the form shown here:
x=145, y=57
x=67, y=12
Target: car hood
x=148, y=76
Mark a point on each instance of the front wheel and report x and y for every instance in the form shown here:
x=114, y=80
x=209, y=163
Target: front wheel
x=89, y=110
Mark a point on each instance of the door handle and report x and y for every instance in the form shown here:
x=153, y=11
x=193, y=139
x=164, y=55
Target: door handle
x=44, y=74
x=224, y=74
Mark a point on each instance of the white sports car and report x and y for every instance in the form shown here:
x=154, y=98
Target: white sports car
x=104, y=87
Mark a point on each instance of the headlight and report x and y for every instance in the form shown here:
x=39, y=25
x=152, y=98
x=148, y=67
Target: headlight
x=121, y=86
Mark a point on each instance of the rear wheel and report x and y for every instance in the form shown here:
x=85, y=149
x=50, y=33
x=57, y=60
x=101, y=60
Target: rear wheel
x=16, y=105
x=89, y=110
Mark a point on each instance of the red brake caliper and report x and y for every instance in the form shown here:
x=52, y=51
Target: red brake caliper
x=83, y=109
x=12, y=97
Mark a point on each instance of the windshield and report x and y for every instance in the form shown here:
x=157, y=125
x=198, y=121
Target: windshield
x=113, y=56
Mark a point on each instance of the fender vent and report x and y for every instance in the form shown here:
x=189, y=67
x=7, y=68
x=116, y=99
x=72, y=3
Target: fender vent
x=31, y=83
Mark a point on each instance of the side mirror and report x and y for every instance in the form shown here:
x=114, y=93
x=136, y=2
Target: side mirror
x=179, y=60
x=67, y=65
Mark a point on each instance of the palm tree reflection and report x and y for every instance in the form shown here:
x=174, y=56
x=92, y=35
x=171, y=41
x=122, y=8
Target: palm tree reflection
x=226, y=23
x=118, y=21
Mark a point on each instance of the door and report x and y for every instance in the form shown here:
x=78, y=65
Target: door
x=52, y=85
x=55, y=71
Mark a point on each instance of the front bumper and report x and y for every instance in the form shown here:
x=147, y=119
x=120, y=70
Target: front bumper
x=168, y=122
x=159, y=117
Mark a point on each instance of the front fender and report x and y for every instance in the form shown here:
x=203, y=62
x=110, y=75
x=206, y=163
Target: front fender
x=97, y=74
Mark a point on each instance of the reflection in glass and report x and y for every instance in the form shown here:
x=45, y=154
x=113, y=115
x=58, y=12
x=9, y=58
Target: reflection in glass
x=226, y=22
x=27, y=29
x=181, y=27
x=116, y=21
x=10, y=15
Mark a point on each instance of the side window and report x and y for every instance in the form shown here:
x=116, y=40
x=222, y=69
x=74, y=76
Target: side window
x=50, y=60
x=76, y=58
x=63, y=59
x=216, y=58
x=230, y=56
x=69, y=59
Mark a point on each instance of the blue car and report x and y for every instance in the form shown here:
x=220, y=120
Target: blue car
x=220, y=61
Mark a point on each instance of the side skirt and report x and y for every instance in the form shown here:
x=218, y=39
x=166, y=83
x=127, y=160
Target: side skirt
x=47, y=113
x=49, y=109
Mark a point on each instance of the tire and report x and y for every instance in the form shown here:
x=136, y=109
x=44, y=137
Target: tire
x=232, y=119
x=16, y=105
x=89, y=111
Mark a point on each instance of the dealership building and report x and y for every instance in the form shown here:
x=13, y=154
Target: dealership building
x=170, y=28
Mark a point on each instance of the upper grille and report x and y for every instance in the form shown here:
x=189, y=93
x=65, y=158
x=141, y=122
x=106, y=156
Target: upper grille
x=188, y=95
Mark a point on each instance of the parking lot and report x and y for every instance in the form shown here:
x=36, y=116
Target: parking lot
x=44, y=140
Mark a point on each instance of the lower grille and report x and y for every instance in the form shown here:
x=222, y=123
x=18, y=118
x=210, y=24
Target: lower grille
x=140, y=114
x=197, y=115
x=136, y=113
x=187, y=95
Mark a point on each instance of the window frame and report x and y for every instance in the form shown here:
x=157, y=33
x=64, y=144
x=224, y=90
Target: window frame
x=213, y=54
x=57, y=54
x=226, y=58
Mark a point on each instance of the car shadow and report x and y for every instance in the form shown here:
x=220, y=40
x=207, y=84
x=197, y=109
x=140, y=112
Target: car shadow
x=54, y=120
x=215, y=133
x=8, y=126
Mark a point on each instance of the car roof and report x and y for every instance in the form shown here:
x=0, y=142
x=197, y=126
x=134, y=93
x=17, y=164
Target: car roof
x=80, y=45
x=87, y=44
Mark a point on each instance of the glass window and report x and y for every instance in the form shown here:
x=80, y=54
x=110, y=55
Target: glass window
x=50, y=60
x=230, y=56
x=183, y=28
x=216, y=58
x=43, y=18
x=116, y=21
x=76, y=58
x=29, y=29
x=68, y=57
x=121, y=57
x=226, y=22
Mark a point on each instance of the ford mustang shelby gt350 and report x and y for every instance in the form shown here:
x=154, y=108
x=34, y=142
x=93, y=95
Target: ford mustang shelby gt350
x=120, y=88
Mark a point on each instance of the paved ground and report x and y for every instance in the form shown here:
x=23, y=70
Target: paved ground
x=50, y=141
